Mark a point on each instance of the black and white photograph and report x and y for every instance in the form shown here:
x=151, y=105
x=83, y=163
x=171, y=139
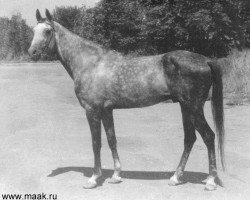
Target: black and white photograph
x=124, y=99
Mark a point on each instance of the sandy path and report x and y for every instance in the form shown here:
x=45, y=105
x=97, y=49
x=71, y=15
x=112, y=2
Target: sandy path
x=45, y=144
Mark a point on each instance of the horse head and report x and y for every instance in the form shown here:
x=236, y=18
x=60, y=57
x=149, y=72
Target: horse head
x=44, y=36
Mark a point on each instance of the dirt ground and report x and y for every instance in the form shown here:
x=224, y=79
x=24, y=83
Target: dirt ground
x=45, y=144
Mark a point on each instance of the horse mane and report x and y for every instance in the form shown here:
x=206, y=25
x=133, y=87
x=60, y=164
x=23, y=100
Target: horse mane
x=62, y=31
x=88, y=43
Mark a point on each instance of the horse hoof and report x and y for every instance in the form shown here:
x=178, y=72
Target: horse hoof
x=90, y=185
x=210, y=187
x=204, y=181
x=174, y=181
x=115, y=180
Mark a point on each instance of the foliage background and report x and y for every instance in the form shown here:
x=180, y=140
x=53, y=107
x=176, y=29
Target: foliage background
x=15, y=37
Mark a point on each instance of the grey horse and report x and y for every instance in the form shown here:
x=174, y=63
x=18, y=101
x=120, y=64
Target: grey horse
x=105, y=80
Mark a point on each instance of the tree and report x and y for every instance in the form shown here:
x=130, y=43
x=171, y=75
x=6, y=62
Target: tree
x=15, y=37
x=151, y=27
x=66, y=16
x=4, y=47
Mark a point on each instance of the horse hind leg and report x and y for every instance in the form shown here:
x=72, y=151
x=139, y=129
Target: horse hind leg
x=108, y=123
x=208, y=137
x=189, y=140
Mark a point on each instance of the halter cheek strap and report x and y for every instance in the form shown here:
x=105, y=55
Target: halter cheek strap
x=50, y=40
x=48, y=44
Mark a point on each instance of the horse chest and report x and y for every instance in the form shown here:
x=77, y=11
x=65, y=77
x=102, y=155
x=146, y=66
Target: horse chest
x=91, y=88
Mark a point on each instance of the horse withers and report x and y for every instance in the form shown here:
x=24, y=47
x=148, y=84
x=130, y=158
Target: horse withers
x=106, y=80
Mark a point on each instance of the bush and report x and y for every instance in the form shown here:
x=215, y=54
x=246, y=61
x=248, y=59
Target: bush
x=236, y=68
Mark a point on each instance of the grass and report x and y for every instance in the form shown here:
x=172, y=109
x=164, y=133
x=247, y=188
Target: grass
x=236, y=77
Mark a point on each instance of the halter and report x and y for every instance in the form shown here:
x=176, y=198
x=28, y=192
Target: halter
x=46, y=47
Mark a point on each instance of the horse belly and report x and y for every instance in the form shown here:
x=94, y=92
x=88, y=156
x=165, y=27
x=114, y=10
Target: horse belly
x=139, y=101
x=141, y=93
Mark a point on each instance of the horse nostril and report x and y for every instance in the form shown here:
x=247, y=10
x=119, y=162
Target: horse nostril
x=34, y=52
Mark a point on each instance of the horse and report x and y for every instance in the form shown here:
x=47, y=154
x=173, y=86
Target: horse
x=105, y=80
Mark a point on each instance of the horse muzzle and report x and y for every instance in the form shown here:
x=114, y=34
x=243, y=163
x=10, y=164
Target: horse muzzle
x=34, y=54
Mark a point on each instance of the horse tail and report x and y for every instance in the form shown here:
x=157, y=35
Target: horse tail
x=217, y=108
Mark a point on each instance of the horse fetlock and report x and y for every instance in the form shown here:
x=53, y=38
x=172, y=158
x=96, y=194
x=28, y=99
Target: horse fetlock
x=117, y=165
x=97, y=173
x=117, y=171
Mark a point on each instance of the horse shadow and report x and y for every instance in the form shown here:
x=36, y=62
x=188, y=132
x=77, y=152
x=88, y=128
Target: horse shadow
x=188, y=176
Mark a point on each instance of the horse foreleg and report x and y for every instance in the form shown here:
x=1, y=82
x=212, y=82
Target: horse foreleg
x=189, y=139
x=94, y=119
x=208, y=137
x=108, y=123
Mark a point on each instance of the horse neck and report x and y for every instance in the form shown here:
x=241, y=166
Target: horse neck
x=75, y=53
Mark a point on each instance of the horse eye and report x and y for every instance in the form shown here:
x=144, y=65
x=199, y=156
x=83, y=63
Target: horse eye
x=48, y=32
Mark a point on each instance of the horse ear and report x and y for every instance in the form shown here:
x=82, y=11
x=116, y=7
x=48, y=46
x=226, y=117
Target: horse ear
x=38, y=15
x=48, y=15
